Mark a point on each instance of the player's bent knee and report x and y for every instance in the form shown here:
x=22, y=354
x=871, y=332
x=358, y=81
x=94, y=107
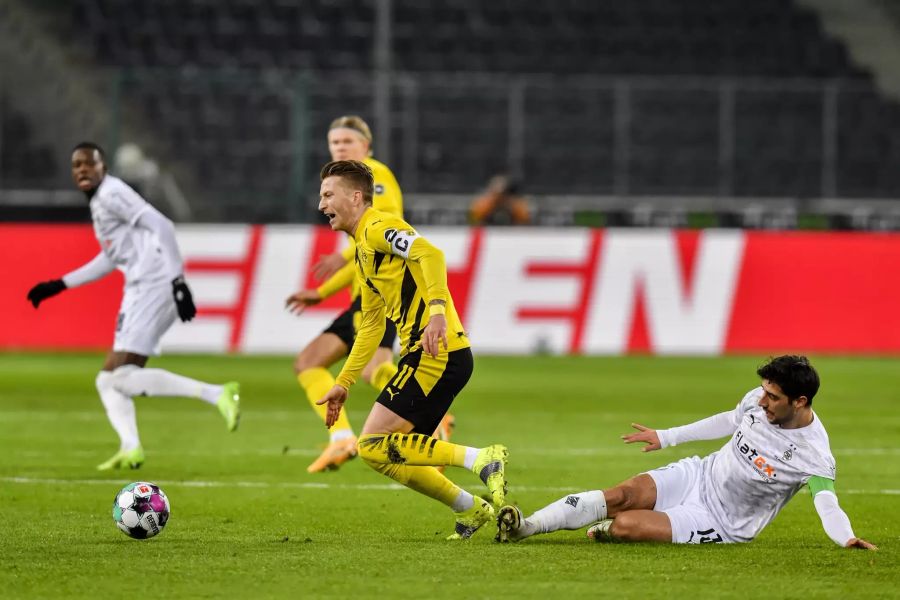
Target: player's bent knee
x=626, y=527
x=619, y=499
x=307, y=360
x=120, y=380
x=366, y=448
x=103, y=381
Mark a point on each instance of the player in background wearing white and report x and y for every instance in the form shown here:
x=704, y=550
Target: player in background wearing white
x=140, y=241
x=778, y=445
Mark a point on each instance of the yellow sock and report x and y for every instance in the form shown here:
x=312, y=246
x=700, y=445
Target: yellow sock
x=414, y=449
x=425, y=480
x=383, y=374
x=316, y=382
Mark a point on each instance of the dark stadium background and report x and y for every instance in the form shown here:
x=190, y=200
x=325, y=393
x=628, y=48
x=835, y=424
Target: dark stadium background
x=770, y=114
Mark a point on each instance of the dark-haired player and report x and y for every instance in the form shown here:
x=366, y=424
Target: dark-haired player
x=140, y=241
x=777, y=445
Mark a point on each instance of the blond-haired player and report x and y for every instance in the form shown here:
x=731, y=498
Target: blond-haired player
x=403, y=277
x=349, y=138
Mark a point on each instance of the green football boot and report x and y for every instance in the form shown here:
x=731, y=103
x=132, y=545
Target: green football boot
x=490, y=466
x=124, y=459
x=509, y=520
x=229, y=404
x=469, y=521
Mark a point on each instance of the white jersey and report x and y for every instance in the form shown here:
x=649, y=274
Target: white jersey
x=136, y=251
x=762, y=466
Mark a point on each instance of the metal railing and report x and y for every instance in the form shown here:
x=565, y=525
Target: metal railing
x=251, y=142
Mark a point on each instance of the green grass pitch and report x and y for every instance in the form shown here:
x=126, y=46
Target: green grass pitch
x=249, y=522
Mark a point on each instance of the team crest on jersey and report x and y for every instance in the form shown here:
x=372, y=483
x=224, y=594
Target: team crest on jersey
x=572, y=501
x=379, y=189
x=789, y=453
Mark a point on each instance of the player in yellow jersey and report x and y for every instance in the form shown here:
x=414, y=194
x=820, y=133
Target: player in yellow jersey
x=349, y=138
x=404, y=278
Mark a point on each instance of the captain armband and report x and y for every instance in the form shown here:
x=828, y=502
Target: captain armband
x=820, y=484
x=400, y=240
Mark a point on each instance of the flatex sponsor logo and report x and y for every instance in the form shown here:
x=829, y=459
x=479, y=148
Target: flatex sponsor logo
x=760, y=463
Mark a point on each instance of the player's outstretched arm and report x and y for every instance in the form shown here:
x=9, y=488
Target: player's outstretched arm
x=300, y=301
x=97, y=267
x=371, y=330
x=342, y=278
x=335, y=399
x=862, y=544
x=710, y=428
x=644, y=435
x=45, y=289
x=328, y=265
x=835, y=521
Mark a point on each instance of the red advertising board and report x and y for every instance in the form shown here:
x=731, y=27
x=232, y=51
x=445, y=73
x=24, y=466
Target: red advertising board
x=613, y=291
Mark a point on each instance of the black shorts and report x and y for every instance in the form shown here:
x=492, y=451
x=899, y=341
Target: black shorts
x=346, y=324
x=424, y=387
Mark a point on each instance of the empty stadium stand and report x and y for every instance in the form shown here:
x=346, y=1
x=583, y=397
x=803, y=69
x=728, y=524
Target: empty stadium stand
x=645, y=97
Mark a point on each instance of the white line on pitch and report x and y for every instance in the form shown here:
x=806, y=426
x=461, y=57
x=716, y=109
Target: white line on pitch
x=325, y=486
x=289, y=450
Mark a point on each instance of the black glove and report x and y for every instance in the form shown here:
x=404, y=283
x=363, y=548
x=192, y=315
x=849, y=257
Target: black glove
x=184, y=301
x=44, y=290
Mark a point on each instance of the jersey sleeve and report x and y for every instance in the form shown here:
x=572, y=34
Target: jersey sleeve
x=710, y=428
x=164, y=230
x=371, y=330
x=835, y=521
x=99, y=267
x=395, y=236
x=124, y=202
x=747, y=403
x=342, y=278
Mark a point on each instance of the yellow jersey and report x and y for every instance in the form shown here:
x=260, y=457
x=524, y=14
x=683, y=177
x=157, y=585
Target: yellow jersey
x=387, y=198
x=399, y=273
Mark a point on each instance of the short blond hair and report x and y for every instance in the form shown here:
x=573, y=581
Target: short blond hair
x=357, y=124
x=356, y=173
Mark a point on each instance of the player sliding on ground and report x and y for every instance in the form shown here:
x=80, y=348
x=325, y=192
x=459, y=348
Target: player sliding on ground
x=778, y=444
x=138, y=240
x=404, y=278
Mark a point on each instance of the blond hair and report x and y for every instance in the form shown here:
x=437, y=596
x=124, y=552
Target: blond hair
x=356, y=173
x=357, y=124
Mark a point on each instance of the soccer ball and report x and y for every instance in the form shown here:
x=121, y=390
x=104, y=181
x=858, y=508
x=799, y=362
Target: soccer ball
x=141, y=510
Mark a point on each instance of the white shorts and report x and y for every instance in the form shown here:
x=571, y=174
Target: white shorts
x=146, y=313
x=678, y=495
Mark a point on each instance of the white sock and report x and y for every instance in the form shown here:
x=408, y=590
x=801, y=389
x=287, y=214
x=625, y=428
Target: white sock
x=135, y=381
x=464, y=501
x=469, y=461
x=337, y=435
x=119, y=411
x=570, y=512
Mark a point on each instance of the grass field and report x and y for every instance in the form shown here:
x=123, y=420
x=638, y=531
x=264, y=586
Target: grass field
x=249, y=522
